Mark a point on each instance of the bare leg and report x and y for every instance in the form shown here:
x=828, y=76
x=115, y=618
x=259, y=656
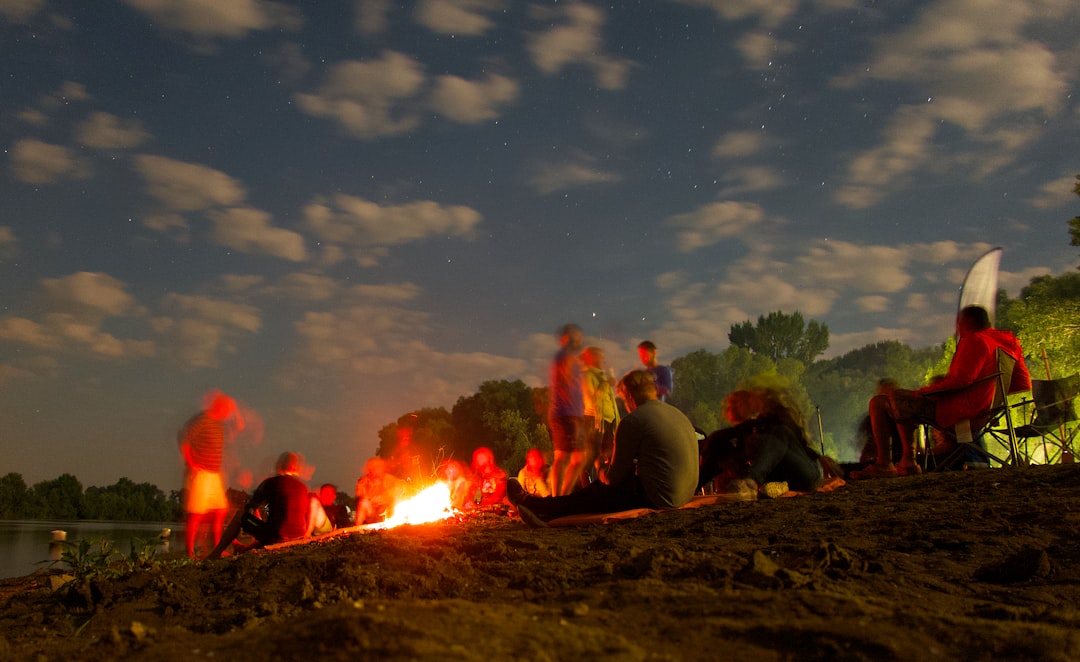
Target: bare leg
x=572, y=475
x=191, y=531
x=219, y=524
x=883, y=426
x=559, y=464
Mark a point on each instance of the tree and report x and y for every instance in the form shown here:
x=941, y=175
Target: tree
x=1074, y=224
x=431, y=439
x=840, y=387
x=478, y=419
x=780, y=336
x=13, y=497
x=704, y=378
x=60, y=498
x=1046, y=317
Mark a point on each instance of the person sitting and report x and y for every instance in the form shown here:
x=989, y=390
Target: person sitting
x=655, y=463
x=975, y=359
x=323, y=514
x=534, y=475
x=453, y=474
x=285, y=498
x=488, y=480
x=868, y=455
x=376, y=492
x=767, y=443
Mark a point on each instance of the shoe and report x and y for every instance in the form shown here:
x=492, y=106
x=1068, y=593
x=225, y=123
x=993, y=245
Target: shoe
x=529, y=517
x=515, y=493
x=745, y=489
x=876, y=471
x=908, y=469
x=774, y=490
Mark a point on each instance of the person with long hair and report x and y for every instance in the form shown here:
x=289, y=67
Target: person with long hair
x=766, y=443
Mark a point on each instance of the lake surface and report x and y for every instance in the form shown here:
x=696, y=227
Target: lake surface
x=24, y=544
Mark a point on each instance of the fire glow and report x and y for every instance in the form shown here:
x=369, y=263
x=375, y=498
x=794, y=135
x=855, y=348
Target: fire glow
x=430, y=505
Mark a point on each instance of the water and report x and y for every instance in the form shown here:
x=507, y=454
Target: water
x=24, y=543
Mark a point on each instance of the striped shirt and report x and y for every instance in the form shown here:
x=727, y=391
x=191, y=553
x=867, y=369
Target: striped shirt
x=206, y=437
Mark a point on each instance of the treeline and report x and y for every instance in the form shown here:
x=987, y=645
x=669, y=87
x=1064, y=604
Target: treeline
x=64, y=498
x=779, y=349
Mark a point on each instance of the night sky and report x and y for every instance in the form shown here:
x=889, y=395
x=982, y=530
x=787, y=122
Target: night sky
x=341, y=212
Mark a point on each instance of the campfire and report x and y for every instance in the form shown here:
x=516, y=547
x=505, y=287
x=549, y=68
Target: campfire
x=432, y=504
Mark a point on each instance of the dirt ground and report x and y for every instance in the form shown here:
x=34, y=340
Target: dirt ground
x=973, y=565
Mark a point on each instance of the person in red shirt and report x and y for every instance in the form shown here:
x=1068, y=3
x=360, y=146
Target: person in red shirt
x=900, y=411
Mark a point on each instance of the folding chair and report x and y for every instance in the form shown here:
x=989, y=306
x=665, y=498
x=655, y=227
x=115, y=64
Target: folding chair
x=1055, y=417
x=987, y=424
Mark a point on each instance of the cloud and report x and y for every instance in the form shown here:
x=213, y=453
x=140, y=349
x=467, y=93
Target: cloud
x=197, y=330
x=714, y=222
x=211, y=18
x=20, y=11
x=368, y=98
x=301, y=287
x=761, y=48
x=866, y=268
x=174, y=225
x=770, y=12
x=181, y=186
x=1056, y=193
x=749, y=179
x=472, y=102
x=77, y=306
x=87, y=295
x=739, y=144
x=372, y=16
x=249, y=230
x=578, y=40
x=107, y=131
x=458, y=17
x=361, y=225
x=36, y=162
x=549, y=176
x=878, y=172
x=976, y=66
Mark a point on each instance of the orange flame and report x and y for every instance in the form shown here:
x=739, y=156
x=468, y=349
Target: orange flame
x=430, y=505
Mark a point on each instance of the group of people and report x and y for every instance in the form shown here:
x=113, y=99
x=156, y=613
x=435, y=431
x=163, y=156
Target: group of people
x=653, y=457
x=583, y=412
x=281, y=508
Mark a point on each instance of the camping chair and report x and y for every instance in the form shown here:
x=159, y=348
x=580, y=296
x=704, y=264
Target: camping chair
x=972, y=433
x=1054, y=411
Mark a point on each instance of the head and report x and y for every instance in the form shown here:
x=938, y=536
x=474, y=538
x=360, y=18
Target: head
x=572, y=337
x=327, y=494
x=637, y=388
x=375, y=466
x=593, y=357
x=742, y=405
x=534, y=460
x=972, y=319
x=482, y=458
x=451, y=470
x=288, y=464
x=887, y=385
x=218, y=406
x=647, y=353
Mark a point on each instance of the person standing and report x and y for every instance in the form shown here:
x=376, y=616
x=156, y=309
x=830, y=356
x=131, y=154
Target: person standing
x=567, y=411
x=665, y=383
x=202, y=444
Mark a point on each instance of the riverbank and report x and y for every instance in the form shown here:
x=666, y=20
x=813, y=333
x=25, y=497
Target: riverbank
x=965, y=565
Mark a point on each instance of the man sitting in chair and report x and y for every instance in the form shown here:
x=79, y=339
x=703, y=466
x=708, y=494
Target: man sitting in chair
x=897, y=413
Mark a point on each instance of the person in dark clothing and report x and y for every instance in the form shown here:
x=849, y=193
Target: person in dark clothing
x=765, y=444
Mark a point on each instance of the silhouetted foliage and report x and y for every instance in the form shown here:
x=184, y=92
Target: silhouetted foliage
x=780, y=335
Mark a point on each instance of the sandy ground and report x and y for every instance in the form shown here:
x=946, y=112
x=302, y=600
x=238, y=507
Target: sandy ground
x=965, y=565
